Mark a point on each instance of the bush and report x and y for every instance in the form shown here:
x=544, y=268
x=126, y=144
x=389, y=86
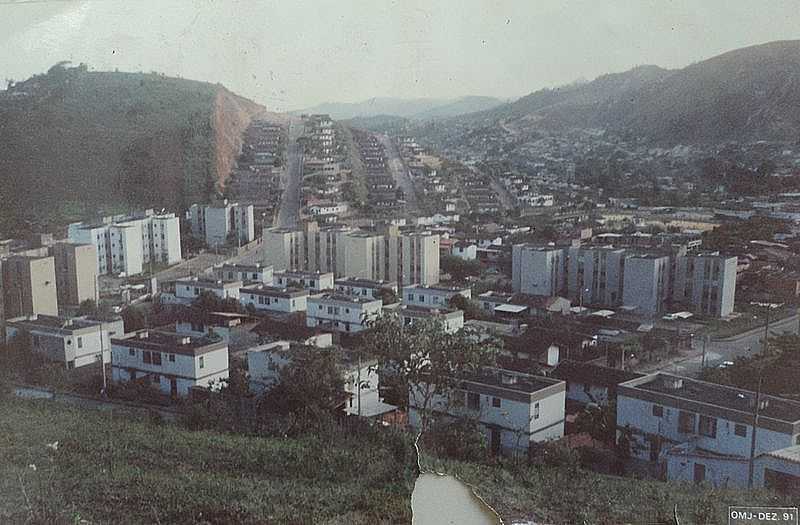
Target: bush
x=554, y=454
x=460, y=439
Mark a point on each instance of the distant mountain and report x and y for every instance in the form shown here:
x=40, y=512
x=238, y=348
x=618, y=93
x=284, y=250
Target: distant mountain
x=417, y=108
x=74, y=139
x=751, y=93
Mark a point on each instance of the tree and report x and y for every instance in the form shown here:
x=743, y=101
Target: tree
x=387, y=295
x=471, y=309
x=424, y=360
x=133, y=319
x=87, y=307
x=460, y=268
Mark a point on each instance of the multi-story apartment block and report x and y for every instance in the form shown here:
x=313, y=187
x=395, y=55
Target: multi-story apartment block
x=705, y=283
x=76, y=273
x=273, y=298
x=537, y=270
x=316, y=281
x=248, y=273
x=703, y=431
x=595, y=275
x=513, y=409
x=343, y=313
x=125, y=243
x=173, y=362
x=223, y=223
x=432, y=296
x=364, y=287
x=646, y=283
x=29, y=286
x=75, y=342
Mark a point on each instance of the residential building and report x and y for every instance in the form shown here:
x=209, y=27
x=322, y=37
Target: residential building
x=452, y=320
x=187, y=290
x=76, y=273
x=537, y=270
x=513, y=409
x=274, y=298
x=595, y=275
x=705, y=283
x=29, y=286
x=247, y=273
x=364, y=287
x=646, y=283
x=223, y=223
x=465, y=250
x=702, y=431
x=76, y=342
x=343, y=313
x=432, y=296
x=588, y=383
x=125, y=243
x=316, y=281
x=173, y=362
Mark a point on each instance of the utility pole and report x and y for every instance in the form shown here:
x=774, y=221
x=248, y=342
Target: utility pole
x=703, y=361
x=358, y=384
x=756, y=409
x=102, y=349
x=766, y=332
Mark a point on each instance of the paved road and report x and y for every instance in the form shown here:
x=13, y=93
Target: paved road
x=400, y=174
x=289, y=210
x=717, y=351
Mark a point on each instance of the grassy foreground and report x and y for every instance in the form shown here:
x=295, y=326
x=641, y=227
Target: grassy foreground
x=559, y=495
x=108, y=468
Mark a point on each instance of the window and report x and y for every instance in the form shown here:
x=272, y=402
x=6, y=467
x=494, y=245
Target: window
x=201, y=361
x=741, y=430
x=131, y=351
x=80, y=342
x=157, y=358
x=686, y=422
x=473, y=401
x=708, y=426
x=658, y=411
x=536, y=411
x=35, y=340
x=147, y=357
x=171, y=358
x=496, y=402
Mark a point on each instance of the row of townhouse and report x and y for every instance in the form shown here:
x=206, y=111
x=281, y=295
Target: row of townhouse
x=703, y=283
x=125, y=243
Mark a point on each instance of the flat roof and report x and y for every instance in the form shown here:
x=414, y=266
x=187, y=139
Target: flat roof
x=510, y=308
x=55, y=323
x=365, y=283
x=208, y=283
x=170, y=342
x=274, y=291
x=340, y=298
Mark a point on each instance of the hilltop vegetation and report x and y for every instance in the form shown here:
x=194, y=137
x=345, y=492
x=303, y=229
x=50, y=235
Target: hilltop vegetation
x=74, y=139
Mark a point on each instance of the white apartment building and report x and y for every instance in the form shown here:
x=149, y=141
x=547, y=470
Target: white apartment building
x=537, y=270
x=126, y=243
x=187, y=290
x=432, y=296
x=173, y=362
x=646, y=283
x=363, y=287
x=595, y=275
x=315, y=281
x=223, y=223
x=248, y=273
x=513, y=409
x=274, y=298
x=451, y=320
x=465, y=250
x=705, y=283
x=75, y=341
x=343, y=313
x=702, y=431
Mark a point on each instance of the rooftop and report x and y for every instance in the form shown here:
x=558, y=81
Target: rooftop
x=340, y=298
x=365, y=283
x=274, y=291
x=170, y=342
x=55, y=323
x=510, y=380
x=208, y=283
x=587, y=373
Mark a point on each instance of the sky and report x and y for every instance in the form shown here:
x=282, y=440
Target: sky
x=293, y=54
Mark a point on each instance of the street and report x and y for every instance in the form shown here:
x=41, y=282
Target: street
x=400, y=173
x=717, y=351
x=289, y=210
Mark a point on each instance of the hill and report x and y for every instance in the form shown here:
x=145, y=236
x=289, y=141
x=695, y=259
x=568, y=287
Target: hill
x=747, y=94
x=74, y=139
x=111, y=468
x=416, y=108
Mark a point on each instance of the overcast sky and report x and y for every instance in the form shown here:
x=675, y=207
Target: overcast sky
x=293, y=54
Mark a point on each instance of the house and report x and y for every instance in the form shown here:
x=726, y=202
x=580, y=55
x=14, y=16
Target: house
x=274, y=298
x=364, y=287
x=173, y=362
x=451, y=319
x=328, y=208
x=590, y=383
x=465, y=250
x=247, y=273
x=513, y=409
x=316, y=281
x=702, y=431
x=432, y=296
x=187, y=290
x=76, y=342
x=220, y=324
x=343, y=313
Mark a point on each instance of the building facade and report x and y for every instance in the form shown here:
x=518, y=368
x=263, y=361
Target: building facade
x=537, y=270
x=646, y=283
x=29, y=286
x=223, y=223
x=76, y=273
x=342, y=313
x=595, y=276
x=705, y=283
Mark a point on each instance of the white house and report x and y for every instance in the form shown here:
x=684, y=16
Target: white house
x=173, y=362
x=187, y=290
x=247, y=273
x=328, y=208
x=75, y=341
x=680, y=423
x=343, y=313
x=274, y=298
x=432, y=296
x=364, y=287
x=452, y=320
x=465, y=250
x=316, y=281
x=513, y=409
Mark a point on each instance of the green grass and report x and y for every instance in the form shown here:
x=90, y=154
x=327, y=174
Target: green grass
x=554, y=495
x=110, y=468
